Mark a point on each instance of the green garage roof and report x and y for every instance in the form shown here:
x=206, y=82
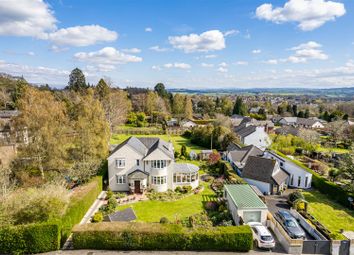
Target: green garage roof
x=244, y=197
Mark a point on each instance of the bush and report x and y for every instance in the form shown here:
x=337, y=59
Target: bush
x=152, y=236
x=97, y=217
x=28, y=239
x=295, y=196
x=109, y=194
x=178, y=189
x=211, y=206
x=164, y=220
x=186, y=189
x=230, y=173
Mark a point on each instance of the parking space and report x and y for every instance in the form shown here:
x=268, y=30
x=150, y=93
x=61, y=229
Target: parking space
x=277, y=249
x=276, y=203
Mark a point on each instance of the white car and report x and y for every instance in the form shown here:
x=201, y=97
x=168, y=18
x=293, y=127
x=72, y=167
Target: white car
x=261, y=235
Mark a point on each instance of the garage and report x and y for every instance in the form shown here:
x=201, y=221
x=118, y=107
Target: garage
x=244, y=204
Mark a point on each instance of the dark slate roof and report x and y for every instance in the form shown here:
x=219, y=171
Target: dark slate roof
x=286, y=130
x=146, y=145
x=241, y=155
x=280, y=176
x=244, y=131
x=124, y=215
x=138, y=171
x=233, y=146
x=260, y=169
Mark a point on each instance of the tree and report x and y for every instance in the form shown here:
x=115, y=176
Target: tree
x=151, y=100
x=310, y=136
x=294, y=110
x=118, y=108
x=226, y=106
x=239, y=107
x=307, y=113
x=77, y=81
x=347, y=171
x=301, y=114
x=102, y=89
x=184, y=151
x=178, y=106
x=188, y=110
x=45, y=119
x=161, y=90
x=345, y=117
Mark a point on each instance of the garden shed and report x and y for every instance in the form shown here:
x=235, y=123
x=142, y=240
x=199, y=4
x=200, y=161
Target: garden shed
x=244, y=204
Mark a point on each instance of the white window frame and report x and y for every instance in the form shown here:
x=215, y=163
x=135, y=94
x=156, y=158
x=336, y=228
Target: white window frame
x=158, y=164
x=158, y=180
x=121, y=179
x=185, y=177
x=120, y=162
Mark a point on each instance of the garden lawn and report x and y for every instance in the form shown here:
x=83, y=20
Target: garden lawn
x=176, y=140
x=153, y=211
x=330, y=214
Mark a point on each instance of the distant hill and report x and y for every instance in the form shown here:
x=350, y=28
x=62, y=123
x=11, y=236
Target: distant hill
x=336, y=92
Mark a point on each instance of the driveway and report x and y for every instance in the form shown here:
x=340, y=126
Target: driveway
x=276, y=203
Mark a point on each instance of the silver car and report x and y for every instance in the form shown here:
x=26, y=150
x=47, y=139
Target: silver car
x=290, y=224
x=261, y=235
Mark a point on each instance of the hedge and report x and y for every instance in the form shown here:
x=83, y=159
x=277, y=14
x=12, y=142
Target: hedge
x=32, y=238
x=156, y=236
x=78, y=207
x=325, y=186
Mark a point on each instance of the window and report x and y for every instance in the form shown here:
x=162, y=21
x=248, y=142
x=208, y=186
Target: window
x=137, y=162
x=121, y=179
x=306, y=181
x=158, y=180
x=158, y=163
x=299, y=181
x=281, y=164
x=120, y=163
x=292, y=180
x=185, y=177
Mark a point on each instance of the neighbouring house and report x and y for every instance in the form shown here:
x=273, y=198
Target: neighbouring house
x=267, y=124
x=265, y=174
x=141, y=163
x=173, y=122
x=238, y=157
x=298, y=176
x=9, y=134
x=204, y=154
x=255, y=110
x=288, y=130
x=301, y=122
x=236, y=119
x=244, y=204
x=188, y=124
x=253, y=135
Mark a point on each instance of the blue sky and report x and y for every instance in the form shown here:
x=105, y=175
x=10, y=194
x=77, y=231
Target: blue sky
x=182, y=43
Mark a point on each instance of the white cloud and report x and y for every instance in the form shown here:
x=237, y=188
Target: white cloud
x=306, y=51
x=31, y=53
x=208, y=41
x=177, y=65
x=310, y=14
x=34, y=18
x=132, y=50
x=106, y=58
x=57, y=49
x=222, y=69
x=231, y=32
x=26, y=18
x=148, y=29
x=271, y=62
x=256, y=51
x=223, y=64
x=210, y=56
x=206, y=65
x=158, y=49
x=242, y=63
x=157, y=68
x=82, y=35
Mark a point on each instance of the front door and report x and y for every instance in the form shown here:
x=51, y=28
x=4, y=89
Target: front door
x=137, y=187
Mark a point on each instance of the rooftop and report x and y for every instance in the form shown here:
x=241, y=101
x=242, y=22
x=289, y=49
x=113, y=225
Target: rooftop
x=244, y=197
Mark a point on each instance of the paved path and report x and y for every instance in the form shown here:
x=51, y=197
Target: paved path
x=68, y=245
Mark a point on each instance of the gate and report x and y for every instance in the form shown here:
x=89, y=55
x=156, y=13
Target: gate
x=316, y=247
x=344, y=247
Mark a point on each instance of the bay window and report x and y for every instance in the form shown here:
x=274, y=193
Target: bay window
x=158, y=180
x=185, y=177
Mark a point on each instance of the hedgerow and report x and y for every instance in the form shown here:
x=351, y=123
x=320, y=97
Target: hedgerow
x=155, y=236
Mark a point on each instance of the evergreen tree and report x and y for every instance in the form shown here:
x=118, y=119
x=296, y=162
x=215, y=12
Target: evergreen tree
x=301, y=114
x=294, y=110
x=188, y=112
x=77, y=81
x=307, y=113
x=102, y=90
x=161, y=90
x=239, y=107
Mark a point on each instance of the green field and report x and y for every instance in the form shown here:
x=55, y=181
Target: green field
x=177, y=141
x=330, y=214
x=153, y=211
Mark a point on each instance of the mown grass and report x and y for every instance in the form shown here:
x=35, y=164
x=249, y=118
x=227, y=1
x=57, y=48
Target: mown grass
x=153, y=211
x=332, y=215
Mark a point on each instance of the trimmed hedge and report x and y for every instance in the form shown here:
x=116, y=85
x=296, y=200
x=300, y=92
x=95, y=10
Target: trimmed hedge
x=323, y=185
x=27, y=239
x=155, y=236
x=78, y=207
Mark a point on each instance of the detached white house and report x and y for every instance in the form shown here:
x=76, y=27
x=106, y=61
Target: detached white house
x=301, y=122
x=298, y=176
x=188, y=123
x=253, y=135
x=140, y=163
x=244, y=204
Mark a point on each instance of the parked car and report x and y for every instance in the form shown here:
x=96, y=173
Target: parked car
x=261, y=235
x=290, y=224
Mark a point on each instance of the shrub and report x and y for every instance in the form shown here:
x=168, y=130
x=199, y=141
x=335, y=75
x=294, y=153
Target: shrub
x=230, y=173
x=109, y=194
x=211, y=206
x=152, y=236
x=186, y=189
x=295, y=196
x=28, y=239
x=111, y=205
x=208, y=178
x=164, y=220
x=178, y=189
x=97, y=217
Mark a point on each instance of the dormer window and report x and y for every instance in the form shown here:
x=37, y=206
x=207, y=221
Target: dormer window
x=137, y=162
x=120, y=163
